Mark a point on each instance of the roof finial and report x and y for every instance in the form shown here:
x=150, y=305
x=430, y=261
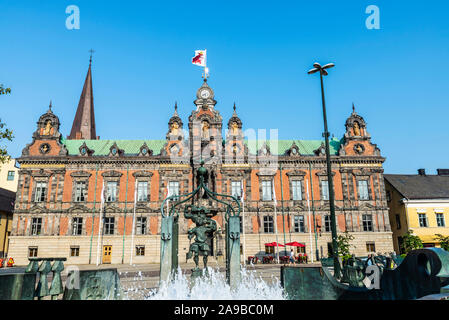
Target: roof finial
x=49, y=107
x=90, y=60
x=353, y=108
x=175, y=114
x=234, y=106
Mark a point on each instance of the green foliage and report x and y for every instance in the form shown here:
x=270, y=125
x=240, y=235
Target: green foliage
x=410, y=242
x=443, y=240
x=344, y=244
x=4, y=90
x=5, y=133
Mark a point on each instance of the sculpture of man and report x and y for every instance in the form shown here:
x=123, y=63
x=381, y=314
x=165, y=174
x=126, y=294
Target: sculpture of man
x=203, y=230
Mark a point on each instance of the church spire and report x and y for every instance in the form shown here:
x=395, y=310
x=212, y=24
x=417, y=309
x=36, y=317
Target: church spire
x=83, y=126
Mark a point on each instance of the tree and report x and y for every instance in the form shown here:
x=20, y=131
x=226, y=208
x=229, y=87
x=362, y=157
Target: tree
x=443, y=240
x=344, y=244
x=4, y=90
x=410, y=242
x=5, y=133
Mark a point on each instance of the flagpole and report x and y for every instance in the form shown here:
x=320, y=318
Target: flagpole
x=100, y=224
x=134, y=224
x=276, y=222
x=243, y=224
x=93, y=215
x=310, y=223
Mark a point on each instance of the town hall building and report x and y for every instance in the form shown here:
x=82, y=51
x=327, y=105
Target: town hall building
x=60, y=210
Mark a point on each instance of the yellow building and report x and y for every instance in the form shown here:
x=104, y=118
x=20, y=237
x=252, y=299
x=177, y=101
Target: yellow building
x=419, y=203
x=9, y=177
x=6, y=209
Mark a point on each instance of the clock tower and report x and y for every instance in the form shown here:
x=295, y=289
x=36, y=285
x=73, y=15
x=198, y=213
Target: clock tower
x=205, y=125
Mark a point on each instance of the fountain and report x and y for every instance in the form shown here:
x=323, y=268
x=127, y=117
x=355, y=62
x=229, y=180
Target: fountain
x=203, y=232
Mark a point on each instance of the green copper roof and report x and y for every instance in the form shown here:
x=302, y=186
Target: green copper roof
x=306, y=147
x=101, y=147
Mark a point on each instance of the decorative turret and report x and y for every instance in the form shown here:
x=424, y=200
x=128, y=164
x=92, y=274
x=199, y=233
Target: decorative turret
x=357, y=141
x=175, y=136
x=46, y=138
x=235, y=148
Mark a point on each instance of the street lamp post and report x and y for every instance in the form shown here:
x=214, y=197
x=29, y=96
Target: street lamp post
x=323, y=72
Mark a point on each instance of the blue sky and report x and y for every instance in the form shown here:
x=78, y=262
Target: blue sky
x=259, y=53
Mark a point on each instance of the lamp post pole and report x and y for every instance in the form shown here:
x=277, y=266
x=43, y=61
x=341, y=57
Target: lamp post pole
x=323, y=72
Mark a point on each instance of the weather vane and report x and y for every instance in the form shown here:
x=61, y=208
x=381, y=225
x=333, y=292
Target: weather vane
x=91, y=52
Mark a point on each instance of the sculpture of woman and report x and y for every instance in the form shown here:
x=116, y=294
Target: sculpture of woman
x=174, y=128
x=205, y=133
x=235, y=128
x=47, y=129
x=356, y=129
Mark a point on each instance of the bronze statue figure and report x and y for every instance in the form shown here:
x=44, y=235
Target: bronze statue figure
x=203, y=231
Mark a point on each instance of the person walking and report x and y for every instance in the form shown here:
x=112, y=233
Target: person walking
x=292, y=256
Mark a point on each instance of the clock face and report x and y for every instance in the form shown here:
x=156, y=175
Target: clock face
x=204, y=94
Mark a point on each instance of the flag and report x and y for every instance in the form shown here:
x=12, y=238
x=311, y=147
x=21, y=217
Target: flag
x=242, y=192
x=200, y=58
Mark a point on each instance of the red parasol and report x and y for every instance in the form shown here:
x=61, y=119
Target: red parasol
x=274, y=244
x=295, y=244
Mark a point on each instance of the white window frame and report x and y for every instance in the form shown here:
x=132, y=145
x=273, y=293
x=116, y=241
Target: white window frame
x=422, y=218
x=296, y=190
x=367, y=222
x=236, y=189
x=80, y=192
x=268, y=224
x=142, y=190
x=173, y=188
x=299, y=223
x=324, y=190
x=440, y=218
x=40, y=191
x=36, y=226
x=141, y=225
x=362, y=188
x=108, y=222
x=111, y=191
x=267, y=190
x=77, y=222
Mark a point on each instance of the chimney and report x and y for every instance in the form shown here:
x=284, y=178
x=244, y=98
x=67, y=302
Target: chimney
x=422, y=172
x=443, y=172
